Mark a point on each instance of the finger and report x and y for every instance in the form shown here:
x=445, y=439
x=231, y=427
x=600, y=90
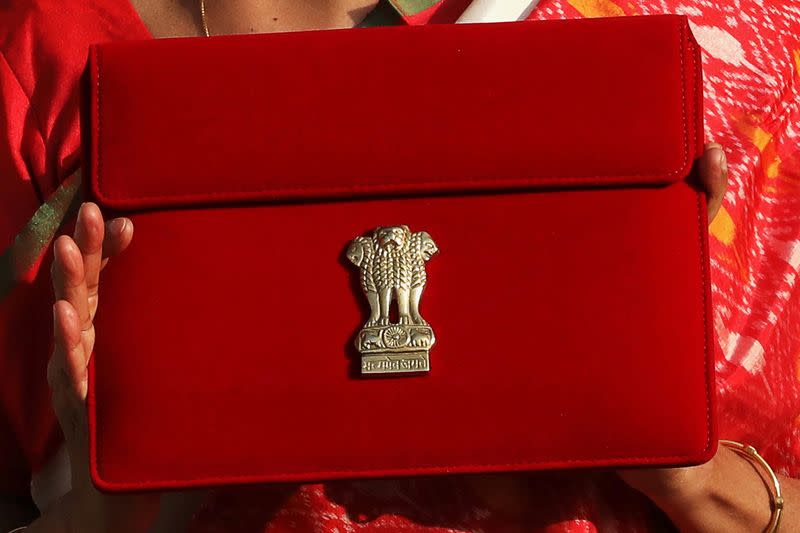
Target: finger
x=68, y=350
x=69, y=282
x=89, y=232
x=713, y=169
x=67, y=373
x=119, y=233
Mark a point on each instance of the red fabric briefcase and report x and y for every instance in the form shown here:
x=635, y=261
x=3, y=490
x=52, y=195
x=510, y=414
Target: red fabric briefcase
x=293, y=194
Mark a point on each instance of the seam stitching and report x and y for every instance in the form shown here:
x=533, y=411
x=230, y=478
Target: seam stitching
x=703, y=246
x=399, y=471
x=98, y=159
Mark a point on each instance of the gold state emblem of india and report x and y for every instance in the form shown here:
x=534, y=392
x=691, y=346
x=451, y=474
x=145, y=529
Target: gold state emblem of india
x=392, y=268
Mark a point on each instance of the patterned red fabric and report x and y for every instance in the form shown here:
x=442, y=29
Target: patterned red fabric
x=751, y=64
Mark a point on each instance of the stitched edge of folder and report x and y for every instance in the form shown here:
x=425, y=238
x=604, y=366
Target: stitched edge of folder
x=96, y=458
x=96, y=176
x=473, y=184
x=389, y=473
x=703, y=245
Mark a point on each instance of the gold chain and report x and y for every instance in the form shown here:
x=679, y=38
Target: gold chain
x=203, y=18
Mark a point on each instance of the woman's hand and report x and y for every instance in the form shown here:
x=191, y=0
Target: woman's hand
x=726, y=494
x=76, y=268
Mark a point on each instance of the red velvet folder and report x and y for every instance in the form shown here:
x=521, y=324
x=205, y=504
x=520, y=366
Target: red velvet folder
x=549, y=162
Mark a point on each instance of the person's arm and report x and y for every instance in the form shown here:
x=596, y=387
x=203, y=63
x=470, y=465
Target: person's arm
x=725, y=495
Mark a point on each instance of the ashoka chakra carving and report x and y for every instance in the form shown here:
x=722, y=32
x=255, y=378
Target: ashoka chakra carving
x=395, y=337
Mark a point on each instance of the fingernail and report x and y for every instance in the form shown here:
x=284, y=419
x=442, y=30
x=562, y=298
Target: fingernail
x=723, y=161
x=67, y=256
x=118, y=225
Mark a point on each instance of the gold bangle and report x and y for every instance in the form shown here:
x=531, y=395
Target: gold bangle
x=17, y=530
x=776, y=497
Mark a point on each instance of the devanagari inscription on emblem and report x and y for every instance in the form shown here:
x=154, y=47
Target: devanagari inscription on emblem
x=392, y=269
x=388, y=364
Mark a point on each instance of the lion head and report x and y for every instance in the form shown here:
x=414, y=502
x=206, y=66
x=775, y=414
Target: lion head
x=358, y=250
x=392, y=238
x=427, y=247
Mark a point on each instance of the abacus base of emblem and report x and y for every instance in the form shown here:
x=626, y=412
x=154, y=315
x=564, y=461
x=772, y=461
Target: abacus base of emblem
x=395, y=348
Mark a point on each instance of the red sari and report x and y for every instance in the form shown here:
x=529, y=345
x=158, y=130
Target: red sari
x=751, y=64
